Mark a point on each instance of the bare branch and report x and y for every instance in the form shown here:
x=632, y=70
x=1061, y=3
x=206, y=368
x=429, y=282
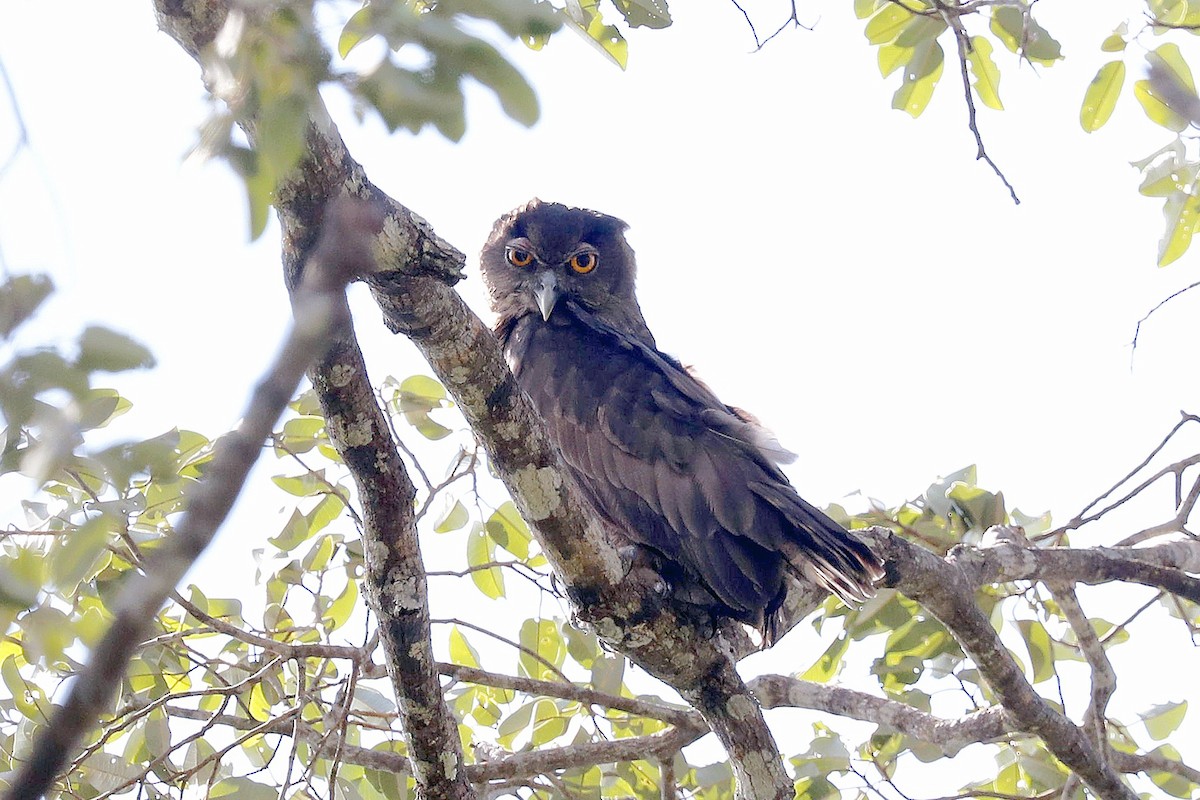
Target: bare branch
x=953, y=18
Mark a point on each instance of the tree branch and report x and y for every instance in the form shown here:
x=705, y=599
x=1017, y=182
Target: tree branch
x=943, y=588
x=319, y=310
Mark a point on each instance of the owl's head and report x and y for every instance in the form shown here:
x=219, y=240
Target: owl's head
x=541, y=253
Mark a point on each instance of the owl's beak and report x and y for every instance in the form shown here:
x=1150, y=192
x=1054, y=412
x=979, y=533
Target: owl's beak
x=545, y=291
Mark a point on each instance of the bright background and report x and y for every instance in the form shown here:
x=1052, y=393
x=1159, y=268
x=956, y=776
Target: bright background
x=853, y=277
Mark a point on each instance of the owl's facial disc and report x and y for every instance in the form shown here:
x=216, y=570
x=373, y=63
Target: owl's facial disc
x=546, y=292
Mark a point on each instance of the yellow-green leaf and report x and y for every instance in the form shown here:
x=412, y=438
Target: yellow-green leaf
x=987, y=74
x=461, y=651
x=887, y=24
x=1101, y=96
x=1182, y=211
x=1169, y=57
x=920, y=78
x=1162, y=720
x=509, y=531
x=340, y=609
x=1037, y=642
x=481, y=549
x=891, y=57
x=825, y=667
x=453, y=519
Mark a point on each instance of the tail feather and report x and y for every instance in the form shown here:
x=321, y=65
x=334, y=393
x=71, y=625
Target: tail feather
x=821, y=551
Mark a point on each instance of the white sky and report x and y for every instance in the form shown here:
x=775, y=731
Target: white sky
x=850, y=275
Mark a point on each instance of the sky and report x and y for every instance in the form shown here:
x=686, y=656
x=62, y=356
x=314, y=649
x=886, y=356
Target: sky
x=852, y=276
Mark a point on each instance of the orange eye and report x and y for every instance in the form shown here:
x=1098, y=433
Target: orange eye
x=518, y=257
x=583, y=263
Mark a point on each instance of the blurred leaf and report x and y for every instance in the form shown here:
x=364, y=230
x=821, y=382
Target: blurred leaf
x=282, y=128
x=453, y=518
x=73, y=554
x=20, y=298
x=1101, y=96
x=105, y=350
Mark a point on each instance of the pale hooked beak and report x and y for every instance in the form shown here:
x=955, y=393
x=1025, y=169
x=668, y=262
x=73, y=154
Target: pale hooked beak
x=545, y=291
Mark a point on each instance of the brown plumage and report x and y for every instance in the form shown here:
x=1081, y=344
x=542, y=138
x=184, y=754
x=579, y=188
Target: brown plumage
x=653, y=449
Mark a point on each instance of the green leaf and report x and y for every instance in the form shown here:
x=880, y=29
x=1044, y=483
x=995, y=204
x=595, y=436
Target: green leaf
x=1037, y=642
x=1162, y=720
x=481, y=549
x=517, y=98
x=461, y=651
x=921, y=77
x=105, y=350
x=20, y=298
x=282, y=128
x=987, y=74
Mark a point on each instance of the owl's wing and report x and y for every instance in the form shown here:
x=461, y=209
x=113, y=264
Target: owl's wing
x=672, y=466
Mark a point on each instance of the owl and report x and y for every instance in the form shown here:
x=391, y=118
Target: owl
x=692, y=480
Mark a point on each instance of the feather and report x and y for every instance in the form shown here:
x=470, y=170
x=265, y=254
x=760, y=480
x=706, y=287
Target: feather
x=652, y=447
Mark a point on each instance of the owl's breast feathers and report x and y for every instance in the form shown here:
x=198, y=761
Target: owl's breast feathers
x=677, y=470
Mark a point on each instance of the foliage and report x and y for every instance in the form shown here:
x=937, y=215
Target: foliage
x=284, y=687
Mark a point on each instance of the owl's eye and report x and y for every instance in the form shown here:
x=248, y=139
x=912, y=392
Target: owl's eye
x=583, y=263
x=518, y=257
